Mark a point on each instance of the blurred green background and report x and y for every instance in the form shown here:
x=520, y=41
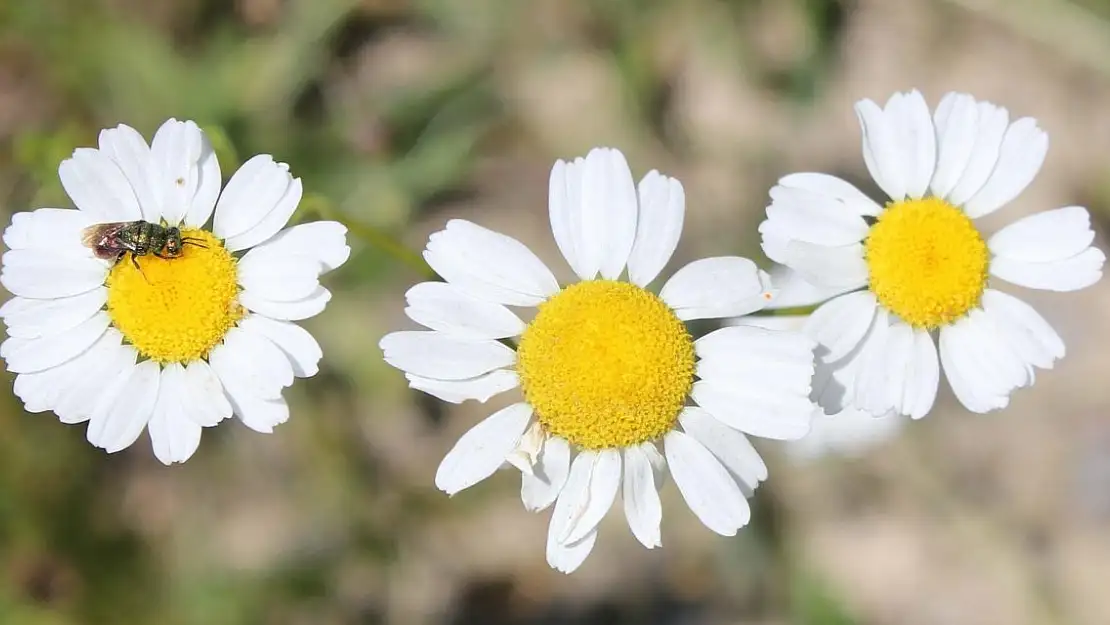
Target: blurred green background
x=401, y=114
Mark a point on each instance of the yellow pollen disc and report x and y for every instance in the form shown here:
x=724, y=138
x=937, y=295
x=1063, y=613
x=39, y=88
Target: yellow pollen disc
x=606, y=364
x=927, y=262
x=176, y=309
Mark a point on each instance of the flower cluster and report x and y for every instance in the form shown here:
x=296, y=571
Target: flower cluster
x=129, y=313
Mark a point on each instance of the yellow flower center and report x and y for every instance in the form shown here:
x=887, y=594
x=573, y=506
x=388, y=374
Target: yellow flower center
x=927, y=262
x=606, y=364
x=176, y=309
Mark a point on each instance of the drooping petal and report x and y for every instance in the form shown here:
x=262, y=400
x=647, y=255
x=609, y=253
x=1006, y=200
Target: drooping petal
x=641, y=498
x=604, y=483
x=706, y=486
x=662, y=212
x=567, y=558
x=539, y=489
x=483, y=449
x=489, y=265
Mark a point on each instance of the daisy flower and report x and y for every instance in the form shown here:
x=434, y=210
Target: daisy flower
x=607, y=369
x=175, y=343
x=917, y=270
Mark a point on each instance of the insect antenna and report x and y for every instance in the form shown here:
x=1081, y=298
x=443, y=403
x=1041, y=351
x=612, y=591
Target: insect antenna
x=193, y=241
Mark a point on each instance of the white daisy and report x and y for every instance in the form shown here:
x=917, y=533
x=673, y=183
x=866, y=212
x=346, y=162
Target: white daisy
x=170, y=344
x=606, y=367
x=919, y=266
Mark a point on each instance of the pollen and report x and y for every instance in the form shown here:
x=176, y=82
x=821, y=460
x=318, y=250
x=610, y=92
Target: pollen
x=927, y=262
x=606, y=364
x=176, y=309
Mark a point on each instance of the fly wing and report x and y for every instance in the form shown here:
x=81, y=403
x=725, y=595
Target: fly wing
x=97, y=235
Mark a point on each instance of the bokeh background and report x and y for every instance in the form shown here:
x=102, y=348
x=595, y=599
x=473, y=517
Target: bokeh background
x=400, y=114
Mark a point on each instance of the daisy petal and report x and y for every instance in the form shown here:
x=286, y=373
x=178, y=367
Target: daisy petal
x=261, y=364
x=1046, y=236
x=258, y=403
x=981, y=368
x=567, y=558
x=251, y=194
x=174, y=436
x=608, y=211
x=539, y=489
x=208, y=404
x=279, y=279
x=732, y=448
x=831, y=186
x=207, y=186
x=489, y=265
x=120, y=417
x=483, y=449
x=725, y=286
x=706, y=486
x=662, y=211
x=605, y=480
x=832, y=267
x=957, y=123
x=766, y=414
x=564, y=201
x=34, y=318
x=749, y=356
x=1070, y=274
x=50, y=230
x=124, y=145
x=444, y=357
x=641, y=499
x=450, y=309
x=575, y=496
x=270, y=222
x=813, y=218
x=993, y=121
x=295, y=342
x=839, y=325
x=289, y=311
x=1024, y=329
x=40, y=274
x=176, y=149
x=481, y=387
x=29, y=355
x=881, y=151
x=908, y=115
x=91, y=380
x=792, y=290
x=1020, y=158
x=97, y=186
x=922, y=377
x=323, y=241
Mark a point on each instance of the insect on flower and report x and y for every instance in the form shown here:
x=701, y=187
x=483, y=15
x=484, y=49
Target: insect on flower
x=111, y=241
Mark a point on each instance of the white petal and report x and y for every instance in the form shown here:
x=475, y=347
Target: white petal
x=261, y=364
x=1046, y=236
x=1070, y=274
x=124, y=145
x=97, y=186
x=641, y=499
x=119, y=418
x=575, y=496
x=33, y=318
x=839, y=325
x=51, y=230
x=444, y=357
x=481, y=388
x=295, y=342
x=922, y=377
x=39, y=274
x=208, y=183
x=765, y=414
x=527, y=451
x=850, y=433
x=957, y=123
x=606, y=221
x=174, y=436
x=980, y=366
x=706, y=486
x=725, y=286
x=208, y=405
x=250, y=195
x=1024, y=329
x=880, y=383
x=46, y=389
x=90, y=380
x=732, y=448
x=833, y=187
x=814, y=218
x=564, y=201
x=539, y=489
x=833, y=267
x=279, y=279
x=450, y=309
x=881, y=151
x=605, y=480
x=993, y=121
x=662, y=211
x=489, y=265
x=756, y=359
x=791, y=290
x=483, y=449
x=289, y=311
x=260, y=412
x=1020, y=158
x=271, y=222
x=908, y=115
x=323, y=241
x=176, y=149
x=26, y=356
x=567, y=558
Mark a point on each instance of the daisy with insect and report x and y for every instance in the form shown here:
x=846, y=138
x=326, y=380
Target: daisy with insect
x=129, y=314
x=916, y=271
x=614, y=389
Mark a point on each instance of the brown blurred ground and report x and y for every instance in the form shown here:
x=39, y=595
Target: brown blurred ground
x=404, y=114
